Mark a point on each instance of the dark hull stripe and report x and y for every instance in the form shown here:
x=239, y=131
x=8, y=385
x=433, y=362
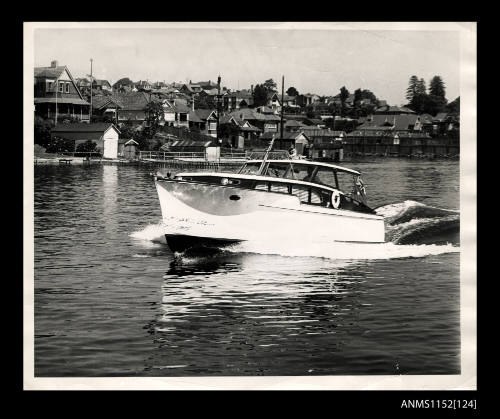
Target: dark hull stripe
x=182, y=242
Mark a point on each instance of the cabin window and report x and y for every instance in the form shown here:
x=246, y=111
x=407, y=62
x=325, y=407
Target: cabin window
x=316, y=197
x=279, y=187
x=302, y=192
x=250, y=169
x=261, y=186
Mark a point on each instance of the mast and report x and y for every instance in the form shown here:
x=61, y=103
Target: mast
x=263, y=164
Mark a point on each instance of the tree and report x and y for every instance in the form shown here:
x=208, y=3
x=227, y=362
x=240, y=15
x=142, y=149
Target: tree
x=412, y=88
x=357, y=96
x=123, y=82
x=421, y=88
x=344, y=94
x=270, y=86
x=292, y=91
x=423, y=103
x=154, y=114
x=436, y=87
x=259, y=95
x=204, y=102
x=454, y=107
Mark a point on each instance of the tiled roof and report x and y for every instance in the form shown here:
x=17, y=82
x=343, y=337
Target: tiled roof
x=192, y=143
x=286, y=135
x=76, y=101
x=248, y=114
x=204, y=114
x=83, y=127
x=132, y=101
x=49, y=72
x=394, y=109
x=400, y=122
x=293, y=123
x=193, y=117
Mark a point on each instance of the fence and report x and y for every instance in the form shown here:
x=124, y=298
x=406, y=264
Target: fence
x=89, y=154
x=171, y=155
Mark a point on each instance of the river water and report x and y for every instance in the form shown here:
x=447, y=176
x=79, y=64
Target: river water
x=111, y=299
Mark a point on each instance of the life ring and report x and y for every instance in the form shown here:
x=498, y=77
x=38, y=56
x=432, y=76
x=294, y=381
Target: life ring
x=335, y=199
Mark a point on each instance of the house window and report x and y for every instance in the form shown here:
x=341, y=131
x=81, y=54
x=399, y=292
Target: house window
x=212, y=126
x=67, y=87
x=61, y=86
x=49, y=86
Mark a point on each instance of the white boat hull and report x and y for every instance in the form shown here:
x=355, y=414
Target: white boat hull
x=230, y=214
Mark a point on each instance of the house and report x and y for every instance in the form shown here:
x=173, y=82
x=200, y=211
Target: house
x=274, y=100
x=56, y=93
x=131, y=106
x=297, y=139
x=143, y=86
x=399, y=122
x=106, y=106
x=266, y=110
x=325, y=144
x=236, y=100
x=101, y=85
x=176, y=113
x=190, y=89
x=292, y=126
x=265, y=122
x=238, y=130
x=105, y=135
x=205, y=120
x=306, y=100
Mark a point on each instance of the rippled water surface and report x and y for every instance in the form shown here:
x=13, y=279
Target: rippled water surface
x=111, y=300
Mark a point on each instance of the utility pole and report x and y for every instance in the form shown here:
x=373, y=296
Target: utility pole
x=57, y=88
x=91, y=83
x=282, y=104
x=218, y=109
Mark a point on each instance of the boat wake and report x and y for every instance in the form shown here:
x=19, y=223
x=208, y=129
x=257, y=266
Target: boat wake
x=413, y=229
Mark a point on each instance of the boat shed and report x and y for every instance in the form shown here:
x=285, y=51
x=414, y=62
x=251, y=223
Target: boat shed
x=297, y=139
x=210, y=149
x=104, y=134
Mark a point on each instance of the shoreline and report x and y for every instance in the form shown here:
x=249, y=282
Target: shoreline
x=60, y=161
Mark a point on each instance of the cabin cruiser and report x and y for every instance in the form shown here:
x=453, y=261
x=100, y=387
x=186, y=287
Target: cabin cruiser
x=286, y=199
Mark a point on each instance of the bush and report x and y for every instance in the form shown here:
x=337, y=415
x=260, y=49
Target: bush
x=60, y=145
x=42, y=131
x=87, y=146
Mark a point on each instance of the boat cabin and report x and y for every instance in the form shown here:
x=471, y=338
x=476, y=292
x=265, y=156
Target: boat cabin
x=314, y=183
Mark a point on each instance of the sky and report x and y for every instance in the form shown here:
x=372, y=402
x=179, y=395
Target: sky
x=318, y=59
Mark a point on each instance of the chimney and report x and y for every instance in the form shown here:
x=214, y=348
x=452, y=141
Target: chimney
x=53, y=64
